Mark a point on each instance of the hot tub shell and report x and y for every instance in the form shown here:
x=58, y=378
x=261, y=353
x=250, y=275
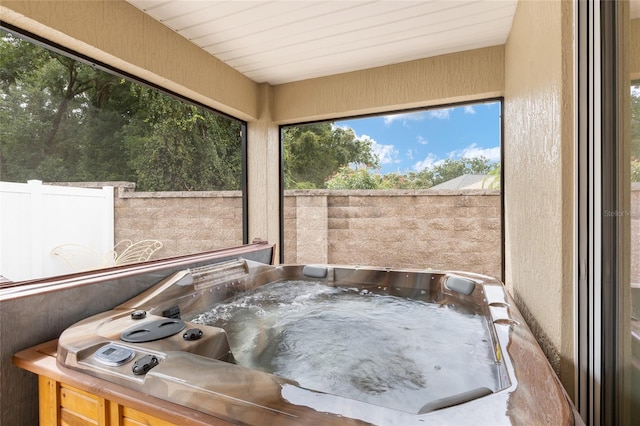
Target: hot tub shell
x=198, y=371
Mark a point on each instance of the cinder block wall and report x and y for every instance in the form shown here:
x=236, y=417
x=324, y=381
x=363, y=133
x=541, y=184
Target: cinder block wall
x=407, y=228
x=422, y=228
x=452, y=229
x=185, y=222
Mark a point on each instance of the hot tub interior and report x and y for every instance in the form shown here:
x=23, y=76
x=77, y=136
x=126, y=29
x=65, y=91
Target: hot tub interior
x=405, y=340
x=357, y=343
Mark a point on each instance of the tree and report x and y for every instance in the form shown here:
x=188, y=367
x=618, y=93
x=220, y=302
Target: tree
x=450, y=169
x=370, y=178
x=63, y=120
x=173, y=146
x=314, y=152
x=635, y=122
x=24, y=109
x=348, y=178
x=110, y=109
x=47, y=109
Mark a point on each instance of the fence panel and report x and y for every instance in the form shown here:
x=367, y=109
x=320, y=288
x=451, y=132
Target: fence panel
x=36, y=218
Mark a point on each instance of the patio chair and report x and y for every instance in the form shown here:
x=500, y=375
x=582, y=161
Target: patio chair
x=135, y=252
x=82, y=258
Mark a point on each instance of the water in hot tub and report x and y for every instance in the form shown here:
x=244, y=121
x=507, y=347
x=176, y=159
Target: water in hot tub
x=396, y=352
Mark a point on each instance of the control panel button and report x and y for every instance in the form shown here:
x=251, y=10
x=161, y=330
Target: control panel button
x=192, y=334
x=144, y=364
x=138, y=314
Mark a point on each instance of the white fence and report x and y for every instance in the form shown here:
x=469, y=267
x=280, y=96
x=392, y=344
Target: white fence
x=36, y=218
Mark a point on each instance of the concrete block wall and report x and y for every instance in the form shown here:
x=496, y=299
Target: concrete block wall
x=410, y=228
x=185, y=222
x=421, y=228
x=311, y=228
x=457, y=230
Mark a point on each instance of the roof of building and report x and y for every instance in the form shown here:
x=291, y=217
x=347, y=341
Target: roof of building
x=467, y=182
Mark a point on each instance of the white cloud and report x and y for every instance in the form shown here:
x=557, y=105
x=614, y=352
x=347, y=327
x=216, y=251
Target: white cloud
x=469, y=109
x=428, y=163
x=473, y=151
x=410, y=154
x=404, y=117
x=343, y=127
x=440, y=114
x=386, y=153
x=422, y=141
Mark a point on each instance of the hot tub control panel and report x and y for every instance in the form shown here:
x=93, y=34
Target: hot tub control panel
x=113, y=355
x=124, y=346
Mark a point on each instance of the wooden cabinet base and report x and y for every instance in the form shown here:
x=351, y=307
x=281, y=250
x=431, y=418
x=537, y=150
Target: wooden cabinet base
x=71, y=398
x=61, y=404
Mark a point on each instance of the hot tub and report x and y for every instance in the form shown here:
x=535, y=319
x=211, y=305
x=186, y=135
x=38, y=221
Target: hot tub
x=261, y=344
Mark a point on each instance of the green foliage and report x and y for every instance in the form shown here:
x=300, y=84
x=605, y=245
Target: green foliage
x=348, y=178
x=450, y=169
x=66, y=121
x=314, y=152
x=169, y=145
x=635, y=121
x=635, y=171
x=370, y=178
x=492, y=181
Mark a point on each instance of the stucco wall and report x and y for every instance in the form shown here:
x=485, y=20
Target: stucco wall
x=634, y=47
x=538, y=172
x=430, y=81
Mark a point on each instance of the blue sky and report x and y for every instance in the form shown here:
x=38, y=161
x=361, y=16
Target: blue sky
x=408, y=142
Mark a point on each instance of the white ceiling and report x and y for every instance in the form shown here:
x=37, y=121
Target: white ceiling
x=283, y=41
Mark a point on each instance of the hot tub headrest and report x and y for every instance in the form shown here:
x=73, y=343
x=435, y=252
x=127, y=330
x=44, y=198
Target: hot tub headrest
x=461, y=285
x=315, y=271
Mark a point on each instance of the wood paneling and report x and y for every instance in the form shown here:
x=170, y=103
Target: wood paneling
x=65, y=405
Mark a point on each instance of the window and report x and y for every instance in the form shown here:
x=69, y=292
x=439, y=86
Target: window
x=607, y=321
x=177, y=168
x=418, y=189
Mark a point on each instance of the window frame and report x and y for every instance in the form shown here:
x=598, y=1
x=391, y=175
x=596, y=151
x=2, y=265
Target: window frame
x=498, y=99
x=62, y=50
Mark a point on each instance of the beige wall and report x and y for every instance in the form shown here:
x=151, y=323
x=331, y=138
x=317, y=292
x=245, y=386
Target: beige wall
x=539, y=175
x=634, y=46
x=263, y=163
x=431, y=81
